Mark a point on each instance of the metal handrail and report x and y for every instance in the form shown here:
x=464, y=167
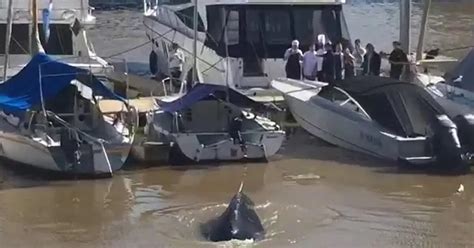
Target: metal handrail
x=75, y=129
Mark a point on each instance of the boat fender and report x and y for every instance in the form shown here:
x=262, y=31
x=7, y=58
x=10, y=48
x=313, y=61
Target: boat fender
x=153, y=62
x=465, y=124
x=446, y=145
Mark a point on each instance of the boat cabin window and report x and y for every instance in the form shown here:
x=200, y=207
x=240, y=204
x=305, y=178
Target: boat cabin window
x=380, y=109
x=60, y=40
x=338, y=97
x=186, y=16
x=267, y=30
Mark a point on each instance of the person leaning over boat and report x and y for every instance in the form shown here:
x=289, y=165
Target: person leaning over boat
x=372, y=61
x=310, y=64
x=358, y=53
x=176, y=61
x=293, y=56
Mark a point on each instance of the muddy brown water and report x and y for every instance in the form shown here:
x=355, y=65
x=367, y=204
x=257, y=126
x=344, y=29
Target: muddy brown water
x=311, y=194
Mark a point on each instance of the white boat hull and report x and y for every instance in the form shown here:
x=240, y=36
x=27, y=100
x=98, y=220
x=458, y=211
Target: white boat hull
x=26, y=151
x=226, y=150
x=344, y=127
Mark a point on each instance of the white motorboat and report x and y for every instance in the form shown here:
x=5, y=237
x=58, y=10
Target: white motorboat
x=242, y=42
x=198, y=126
x=68, y=22
x=381, y=117
x=454, y=91
x=50, y=119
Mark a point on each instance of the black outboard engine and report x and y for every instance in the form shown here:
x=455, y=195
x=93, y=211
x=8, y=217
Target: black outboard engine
x=446, y=146
x=465, y=124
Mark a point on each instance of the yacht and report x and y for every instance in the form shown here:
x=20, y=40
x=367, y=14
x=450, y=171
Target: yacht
x=68, y=41
x=242, y=42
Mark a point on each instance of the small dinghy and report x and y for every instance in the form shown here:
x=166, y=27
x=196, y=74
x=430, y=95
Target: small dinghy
x=50, y=119
x=213, y=123
x=382, y=117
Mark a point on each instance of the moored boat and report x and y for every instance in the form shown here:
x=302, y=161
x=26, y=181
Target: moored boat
x=200, y=126
x=51, y=120
x=381, y=117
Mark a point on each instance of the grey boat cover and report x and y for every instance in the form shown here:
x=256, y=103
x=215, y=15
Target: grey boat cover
x=403, y=108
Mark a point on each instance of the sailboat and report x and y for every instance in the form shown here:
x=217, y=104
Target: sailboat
x=212, y=122
x=53, y=117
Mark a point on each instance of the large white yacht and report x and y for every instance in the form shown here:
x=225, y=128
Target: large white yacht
x=241, y=43
x=68, y=42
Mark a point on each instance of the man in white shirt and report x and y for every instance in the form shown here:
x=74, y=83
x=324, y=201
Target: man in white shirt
x=359, y=53
x=175, y=62
x=310, y=63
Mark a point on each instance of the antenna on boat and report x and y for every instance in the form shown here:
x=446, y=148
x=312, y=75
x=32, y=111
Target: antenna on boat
x=8, y=38
x=226, y=41
x=195, y=27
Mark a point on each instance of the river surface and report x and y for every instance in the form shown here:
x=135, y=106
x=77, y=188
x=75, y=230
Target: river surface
x=310, y=195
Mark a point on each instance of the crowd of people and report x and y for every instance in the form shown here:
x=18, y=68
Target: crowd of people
x=329, y=62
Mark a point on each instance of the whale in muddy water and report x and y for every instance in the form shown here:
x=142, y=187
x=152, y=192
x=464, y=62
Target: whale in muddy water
x=239, y=221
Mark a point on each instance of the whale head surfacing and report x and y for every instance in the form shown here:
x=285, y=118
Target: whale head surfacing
x=239, y=221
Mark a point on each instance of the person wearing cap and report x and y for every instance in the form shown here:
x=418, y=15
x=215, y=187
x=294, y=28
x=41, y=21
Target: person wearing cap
x=398, y=59
x=293, y=57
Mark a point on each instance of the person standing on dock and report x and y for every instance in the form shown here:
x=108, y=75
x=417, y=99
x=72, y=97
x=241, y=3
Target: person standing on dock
x=398, y=60
x=329, y=66
x=293, y=57
x=372, y=61
x=339, y=62
x=349, y=62
x=176, y=61
x=359, y=53
x=310, y=64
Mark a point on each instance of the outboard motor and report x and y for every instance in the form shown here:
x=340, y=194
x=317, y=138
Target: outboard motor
x=465, y=124
x=239, y=221
x=446, y=146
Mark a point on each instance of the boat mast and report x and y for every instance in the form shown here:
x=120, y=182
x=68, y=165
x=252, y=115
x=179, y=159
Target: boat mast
x=35, y=43
x=424, y=21
x=405, y=16
x=8, y=38
x=195, y=27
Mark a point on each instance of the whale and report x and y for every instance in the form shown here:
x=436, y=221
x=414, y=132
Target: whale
x=239, y=221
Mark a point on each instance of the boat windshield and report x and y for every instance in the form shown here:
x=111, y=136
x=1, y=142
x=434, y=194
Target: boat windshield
x=266, y=31
x=60, y=40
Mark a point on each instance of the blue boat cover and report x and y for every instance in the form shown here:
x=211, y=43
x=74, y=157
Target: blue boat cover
x=202, y=92
x=22, y=91
x=465, y=69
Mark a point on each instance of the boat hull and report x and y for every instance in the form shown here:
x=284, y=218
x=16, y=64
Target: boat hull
x=21, y=149
x=257, y=147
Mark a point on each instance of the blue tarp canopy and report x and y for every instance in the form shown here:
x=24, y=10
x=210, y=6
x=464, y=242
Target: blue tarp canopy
x=22, y=91
x=202, y=92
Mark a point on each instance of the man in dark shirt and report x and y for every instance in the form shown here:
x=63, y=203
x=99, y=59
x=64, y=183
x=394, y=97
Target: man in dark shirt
x=398, y=60
x=372, y=61
x=329, y=67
